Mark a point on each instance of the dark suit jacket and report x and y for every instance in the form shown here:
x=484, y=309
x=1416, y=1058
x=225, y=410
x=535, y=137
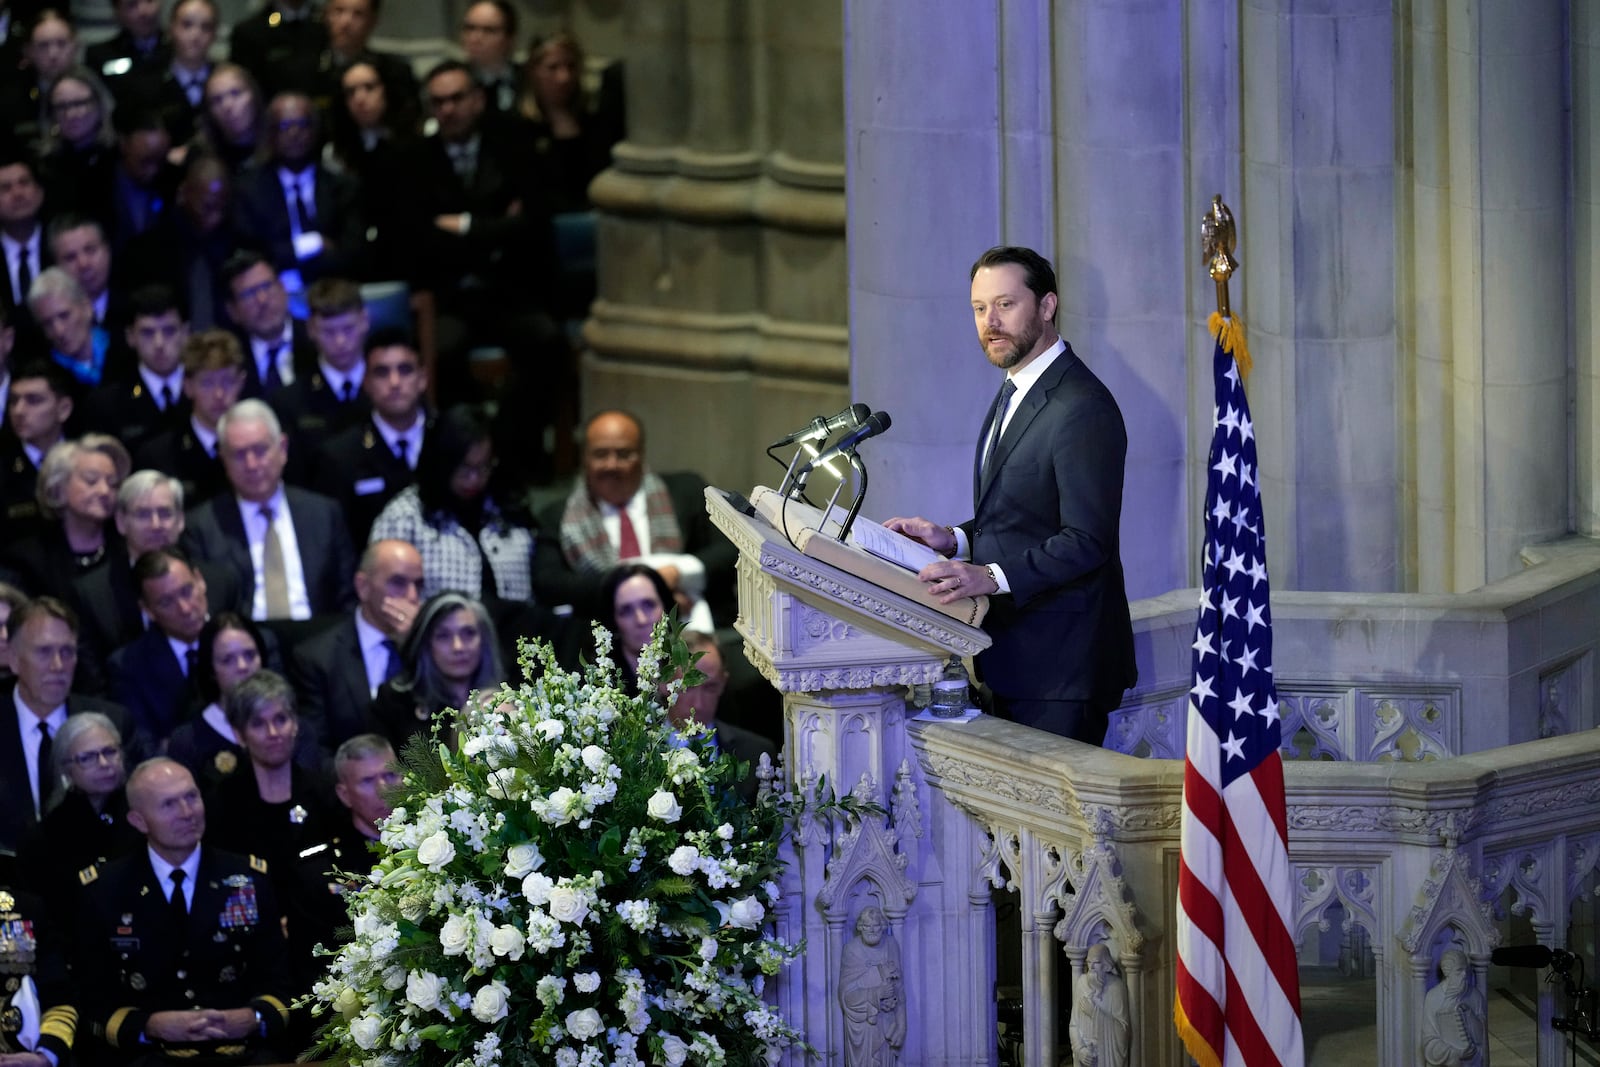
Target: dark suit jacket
x=281, y=53
x=126, y=410
x=304, y=357
x=16, y=792
x=1048, y=514
x=215, y=531
x=108, y=604
x=117, y=60
x=30, y=339
x=357, y=468
x=175, y=253
x=261, y=220
x=330, y=678
x=311, y=412
x=746, y=746
x=179, y=453
x=555, y=581
x=127, y=961
x=148, y=680
x=160, y=91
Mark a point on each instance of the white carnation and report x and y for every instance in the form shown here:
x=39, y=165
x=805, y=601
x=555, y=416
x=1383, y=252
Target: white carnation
x=595, y=758
x=551, y=990
x=664, y=806
x=550, y=729
x=536, y=887
x=745, y=913
x=366, y=1031
x=586, y=981
x=684, y=859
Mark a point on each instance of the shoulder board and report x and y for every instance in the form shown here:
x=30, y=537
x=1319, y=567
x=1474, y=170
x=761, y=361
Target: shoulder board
x=306, y=853
x=258, y=864
x=88, y=874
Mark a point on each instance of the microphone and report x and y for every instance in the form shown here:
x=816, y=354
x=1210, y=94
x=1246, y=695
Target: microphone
x=819, y=427
x=1529, y=956
x=875, y=424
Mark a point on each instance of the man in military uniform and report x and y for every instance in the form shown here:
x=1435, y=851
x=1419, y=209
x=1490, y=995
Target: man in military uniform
x=37, y=1024
x=180, y=953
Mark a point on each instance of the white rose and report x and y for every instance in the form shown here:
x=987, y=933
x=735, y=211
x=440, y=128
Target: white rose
x=522, y=860
x=507, y=941
x=684, y=859
x=586, y=981
x=675, y=1051
x=595, y=758
x=436, y=851
x=423, y=988
x=584, y=1024
x=490, y=1003
x=455, y=934
x=348, y=1003
x=664, y=806
x=366, y=1031
x=536, y=887
x=708, y=948
x=745, y=913
x=367, y=924
x=568, y=905
x=394, y=978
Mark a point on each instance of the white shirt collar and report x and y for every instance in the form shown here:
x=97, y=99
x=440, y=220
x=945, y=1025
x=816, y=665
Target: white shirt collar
x=163, y=869
x=250, y=511
x=412, y=437
x=337, y=378
x=368, y=635
x=180, y=649
x=154, y=383
x=11, y=244
x=1023, y=379
x=28, y=720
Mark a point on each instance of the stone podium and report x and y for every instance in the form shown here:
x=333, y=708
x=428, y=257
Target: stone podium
x=843, y=650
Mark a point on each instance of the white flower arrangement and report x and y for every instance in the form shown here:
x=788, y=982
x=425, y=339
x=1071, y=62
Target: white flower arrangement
x=537, y=905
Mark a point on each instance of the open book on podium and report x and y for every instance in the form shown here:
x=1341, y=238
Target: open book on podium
x=872, y=551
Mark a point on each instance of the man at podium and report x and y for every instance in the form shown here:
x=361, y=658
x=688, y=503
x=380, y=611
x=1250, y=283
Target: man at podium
x=1043, y=541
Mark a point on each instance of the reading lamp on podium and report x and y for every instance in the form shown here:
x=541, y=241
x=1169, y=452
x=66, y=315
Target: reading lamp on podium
x=846, y=446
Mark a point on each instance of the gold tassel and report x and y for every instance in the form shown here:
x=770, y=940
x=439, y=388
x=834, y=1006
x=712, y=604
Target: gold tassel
x=1229, y=332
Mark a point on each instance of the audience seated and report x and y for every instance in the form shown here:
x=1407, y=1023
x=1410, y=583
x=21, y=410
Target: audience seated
x=619, y=510
x=488, y=41
x=278, y=348
x=213, y=380
x=282, y=43
x=52, y=47
x=338, y=673
x=176, y=90
x=144, y=180
x=77, y=494
x=304, y=217
x=230, y=127
x=38, y=406
x=137, y=47
x=188, y=247
x=573, y=137
x=288, y=545
x=699, y=704
x=452, y=650
x=148, y=399
x=154, y=675
x=79, y=142
x=78, y=246
x=22, y=243
x=350, y=26
x=639, y=598
x=374, y=131
x=88, y=821
x=365, y=466
x=44, y=652
x=66, y=317
x=317, y=405
x=232, y=648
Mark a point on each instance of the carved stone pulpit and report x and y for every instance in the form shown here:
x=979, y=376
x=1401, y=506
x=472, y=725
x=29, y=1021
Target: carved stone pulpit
x=843, y=648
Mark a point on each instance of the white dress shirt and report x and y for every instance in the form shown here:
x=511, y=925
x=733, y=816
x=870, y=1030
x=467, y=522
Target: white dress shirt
x=28, y=729
x=691, y=571
x=255, y=527
x=262, y=352
x=373, y=654
x=392, y=437
x=163, y=869
x=155, y=383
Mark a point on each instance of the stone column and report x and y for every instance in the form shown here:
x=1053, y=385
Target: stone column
x=1584, y=42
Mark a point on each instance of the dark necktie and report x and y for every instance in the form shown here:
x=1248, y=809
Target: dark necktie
x=191, y=662
x=273, y=379
x=392, y=666
x=166, y=397
x=627, y=538
x=302, y=210
x=402, y=451
x=1007, y=390
x=24, y=275
x=47, y=774
x=347, y=392
x=176, y=906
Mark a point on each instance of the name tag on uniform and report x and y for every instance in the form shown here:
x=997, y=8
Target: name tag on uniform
x=368, y=486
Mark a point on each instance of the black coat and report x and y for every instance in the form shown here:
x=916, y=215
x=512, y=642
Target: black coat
x=330, y=678
x=357, y=468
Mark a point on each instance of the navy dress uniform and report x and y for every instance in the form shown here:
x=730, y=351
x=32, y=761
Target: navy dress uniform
x=232, y=953
x=35, y=1015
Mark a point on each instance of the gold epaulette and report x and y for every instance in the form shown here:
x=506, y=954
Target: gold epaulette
x=258, y=865
x=88, y=874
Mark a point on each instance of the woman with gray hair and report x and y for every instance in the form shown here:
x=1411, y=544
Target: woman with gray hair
x=451, y=652
x=89, y=822
x=77, y=494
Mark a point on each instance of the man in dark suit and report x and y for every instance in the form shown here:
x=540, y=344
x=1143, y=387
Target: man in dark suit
x=489, y=41
x=33, y=708
x=154, y=676
x=38, y=407
x=338, y=672
x=138, y=45
x=213, y=381
x=22, y=242
x=180, y=950
x=620, y=511
x=699, y=704
x=289, y=546
x=303, y=216
x=366, y=465
x=350, y=26
x=1047, y=496
x=277, y=348
x=150, y=399
x=282, y=44
x=329, y=399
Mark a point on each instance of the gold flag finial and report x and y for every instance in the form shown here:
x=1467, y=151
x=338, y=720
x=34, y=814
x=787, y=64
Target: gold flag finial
x=1218, y=239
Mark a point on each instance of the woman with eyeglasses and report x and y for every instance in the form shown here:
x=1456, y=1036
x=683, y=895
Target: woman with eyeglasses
x=450, y=653
x=231, y=650
x=89, y=822
x=471, y=541
x=79, y=150
x=77, y=495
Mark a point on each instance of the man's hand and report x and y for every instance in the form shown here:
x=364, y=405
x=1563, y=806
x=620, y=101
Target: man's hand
x=24, y=1059
x=185, y=1026
x=235, y=1023
x=950, y=580
x=939, y=538
x=396, y=614
x=449, y=223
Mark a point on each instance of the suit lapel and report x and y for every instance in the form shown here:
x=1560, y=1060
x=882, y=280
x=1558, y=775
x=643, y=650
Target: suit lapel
x=225, y=506
x=354, y=665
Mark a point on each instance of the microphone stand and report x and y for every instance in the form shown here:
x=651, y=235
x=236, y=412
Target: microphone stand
x=861, y=495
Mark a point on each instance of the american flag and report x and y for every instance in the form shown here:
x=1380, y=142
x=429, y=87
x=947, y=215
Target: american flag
x=1238, y=996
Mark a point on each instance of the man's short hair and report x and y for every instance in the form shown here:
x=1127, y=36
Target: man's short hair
x=256, y=692
x=47, y=370
x=360, y=747
x=241, y=262
x=53, y=281
x=42, y=607
x=449, y=66
x=140, y=484
x=212, y=350
x=128, y=121
x=49, y=14
x=251, y=410
x=152, y=301
x=392, y=337
x=328, y=297
x=157, y=563
x=66, y=223
x=56, y=467
x=508, y=15
x=145, y=769
x=1037, y=273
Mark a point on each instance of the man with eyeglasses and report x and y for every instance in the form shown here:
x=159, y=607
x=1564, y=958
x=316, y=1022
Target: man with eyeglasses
x=489, y=41
x=34, y=706
x=305, y=217
x=277, y=347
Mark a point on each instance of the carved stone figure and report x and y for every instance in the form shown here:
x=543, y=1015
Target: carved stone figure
x=1100, y=1029
x=870, y=992
x=1452, y=1021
